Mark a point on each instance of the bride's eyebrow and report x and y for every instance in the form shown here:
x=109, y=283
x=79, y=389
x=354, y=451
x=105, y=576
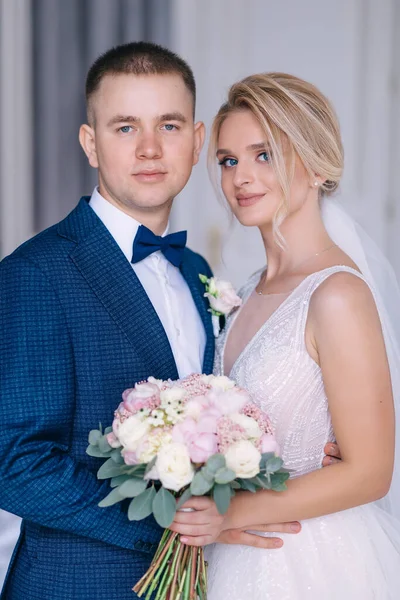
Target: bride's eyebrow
x=251, y=148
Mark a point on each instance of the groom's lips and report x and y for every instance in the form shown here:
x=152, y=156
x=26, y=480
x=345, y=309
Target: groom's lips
x=150, y=176
x=248, y=199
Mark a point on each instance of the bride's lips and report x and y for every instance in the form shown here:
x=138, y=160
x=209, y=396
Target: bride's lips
x=248, y=199
x=150, y=176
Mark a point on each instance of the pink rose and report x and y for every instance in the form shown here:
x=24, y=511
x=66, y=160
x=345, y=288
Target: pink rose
x=226, y=298
x=130, y=458
x=183, y=432
x=135, y=398
x=269, y=444
x=113, y=441
x=202, y=446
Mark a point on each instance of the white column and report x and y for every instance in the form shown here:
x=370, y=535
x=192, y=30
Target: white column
x=16, y=181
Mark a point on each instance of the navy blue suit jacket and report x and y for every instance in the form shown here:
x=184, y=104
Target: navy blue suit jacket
x=77, y=328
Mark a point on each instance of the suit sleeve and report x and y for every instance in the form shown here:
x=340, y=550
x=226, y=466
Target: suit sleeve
x=39, y=480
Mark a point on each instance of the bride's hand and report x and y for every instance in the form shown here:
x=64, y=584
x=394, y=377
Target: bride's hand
x=202, y=525
x=332, y=454
x=245, y=538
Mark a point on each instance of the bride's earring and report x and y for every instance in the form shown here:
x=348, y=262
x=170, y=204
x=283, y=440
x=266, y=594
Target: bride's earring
x=316, y=183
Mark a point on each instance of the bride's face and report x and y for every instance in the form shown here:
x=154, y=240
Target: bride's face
x=248, y=178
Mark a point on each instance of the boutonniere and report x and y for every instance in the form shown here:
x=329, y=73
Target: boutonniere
x=222, y=298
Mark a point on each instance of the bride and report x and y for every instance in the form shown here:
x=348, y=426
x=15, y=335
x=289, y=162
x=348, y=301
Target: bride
x=314, y=345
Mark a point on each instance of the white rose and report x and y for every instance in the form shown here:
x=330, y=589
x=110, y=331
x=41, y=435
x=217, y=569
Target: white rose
x=131, y=431
x=173, y=466
x=172, y=395
x=147, y=451
x=249, y=424
x=222, y=296
x=244, y=459
x=145, y=390
x=221, y=382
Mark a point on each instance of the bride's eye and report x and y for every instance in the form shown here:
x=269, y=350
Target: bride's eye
x=265, y=157
x=228, y=162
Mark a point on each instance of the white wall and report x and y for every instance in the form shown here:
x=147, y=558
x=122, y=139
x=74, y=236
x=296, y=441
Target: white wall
x=347, y=48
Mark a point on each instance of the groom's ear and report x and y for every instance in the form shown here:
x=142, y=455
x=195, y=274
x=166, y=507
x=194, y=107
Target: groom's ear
x=199, y=137
x=87, y=139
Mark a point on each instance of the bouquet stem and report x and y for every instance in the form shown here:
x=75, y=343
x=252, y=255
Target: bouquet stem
x=177, y=572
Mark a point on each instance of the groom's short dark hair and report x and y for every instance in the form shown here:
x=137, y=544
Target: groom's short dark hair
x=137, y=58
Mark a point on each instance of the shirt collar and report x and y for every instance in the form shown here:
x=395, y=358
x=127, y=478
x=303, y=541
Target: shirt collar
x=122, y=227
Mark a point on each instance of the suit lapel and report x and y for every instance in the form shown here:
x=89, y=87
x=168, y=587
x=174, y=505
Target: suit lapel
x=191, y=276
x=112, y=279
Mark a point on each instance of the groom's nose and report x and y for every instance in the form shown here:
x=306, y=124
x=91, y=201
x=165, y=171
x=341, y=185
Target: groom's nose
x=148, y=145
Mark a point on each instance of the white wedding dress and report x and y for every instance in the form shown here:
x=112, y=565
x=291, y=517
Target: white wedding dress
x=350, y=555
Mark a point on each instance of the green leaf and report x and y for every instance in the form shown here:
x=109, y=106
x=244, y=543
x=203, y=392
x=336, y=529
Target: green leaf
x=109, y=469
x=133, y=487
x=261, y=481
x=200, y=485
x=203, y=278
x=103, y=445
x=118, y=480
x=150, y=465
x=142, y=506
x=117, y=456
x=95, y=452
x=216, y=462
x=164, y=507
x=265, y=458
x=94, y=437
x=274, y=464
x=137, y=470
x=207, y=474
x=222, y=497
x=235, y=485
x=246, y=484
x=278, y=481
x=112, y=498
x=108, y=430
x=224, y=475
x=187, y=494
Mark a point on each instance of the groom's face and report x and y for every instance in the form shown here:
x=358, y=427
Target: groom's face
x=143, y=140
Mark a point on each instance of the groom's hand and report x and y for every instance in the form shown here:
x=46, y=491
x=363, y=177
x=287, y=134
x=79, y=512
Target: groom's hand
x=332, y=454
x=244, y=538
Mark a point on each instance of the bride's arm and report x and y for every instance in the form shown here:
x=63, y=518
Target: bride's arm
x=344, y=336
x=347, y=342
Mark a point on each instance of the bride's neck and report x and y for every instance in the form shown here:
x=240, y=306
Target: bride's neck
x=304, y=234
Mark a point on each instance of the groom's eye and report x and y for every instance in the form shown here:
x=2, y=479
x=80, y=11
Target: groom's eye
x=125, y=129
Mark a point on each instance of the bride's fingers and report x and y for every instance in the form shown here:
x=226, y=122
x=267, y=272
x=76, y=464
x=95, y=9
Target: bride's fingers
x=330, y=460
x=236, y=536
x=293, y=527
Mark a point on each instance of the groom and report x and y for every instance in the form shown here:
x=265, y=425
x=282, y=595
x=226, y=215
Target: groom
x=88, y=311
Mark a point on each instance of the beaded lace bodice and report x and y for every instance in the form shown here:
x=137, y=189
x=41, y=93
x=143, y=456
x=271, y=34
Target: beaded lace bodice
x=282, y=378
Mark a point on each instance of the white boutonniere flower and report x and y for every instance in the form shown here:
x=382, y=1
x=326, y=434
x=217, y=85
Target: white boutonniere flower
x=222, y=298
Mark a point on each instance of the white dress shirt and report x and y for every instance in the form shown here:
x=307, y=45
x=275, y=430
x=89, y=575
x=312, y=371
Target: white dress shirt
x=164, y=285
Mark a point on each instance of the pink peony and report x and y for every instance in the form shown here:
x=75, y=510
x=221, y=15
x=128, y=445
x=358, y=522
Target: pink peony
x=229, y=401
x=269, y=444
x=202, y=446
x=113, y=440
x=138, y=397
x=130, y=458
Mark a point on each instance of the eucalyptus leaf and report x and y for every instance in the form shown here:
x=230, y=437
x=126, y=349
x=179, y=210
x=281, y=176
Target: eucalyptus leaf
x=235, y=485
x=265, y=458
x=150, y=465
x=200, y=485
x=274, y=464
x=216, y=462
x=94, y=436
x=118, y=480
x=137, y=470
x=187, y=494
x=132, y=487
x=222, y=497
x=95, y=452
x=103, y=445
x=224, y=475
x=261, y=481
x=117, y=456
x=112, y=498
x=108, y=430
x=142, y=506
x=278, y=481
x=246, y=484
x=109, y=469
x=207, y=474
x=164, y=507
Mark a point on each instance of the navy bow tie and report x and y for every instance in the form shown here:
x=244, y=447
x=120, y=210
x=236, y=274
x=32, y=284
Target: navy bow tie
x=146, y=242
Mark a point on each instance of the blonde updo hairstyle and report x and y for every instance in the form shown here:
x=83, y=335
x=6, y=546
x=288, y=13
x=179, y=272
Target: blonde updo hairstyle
x=296, y=119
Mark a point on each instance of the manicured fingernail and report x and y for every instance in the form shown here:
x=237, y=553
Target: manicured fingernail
x=183, y=540
x=278, y=543
x=295, y=527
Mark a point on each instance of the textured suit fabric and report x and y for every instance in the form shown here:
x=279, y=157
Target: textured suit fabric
x=77, y=329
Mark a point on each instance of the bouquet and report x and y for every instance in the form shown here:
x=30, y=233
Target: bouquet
x=171, y=440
